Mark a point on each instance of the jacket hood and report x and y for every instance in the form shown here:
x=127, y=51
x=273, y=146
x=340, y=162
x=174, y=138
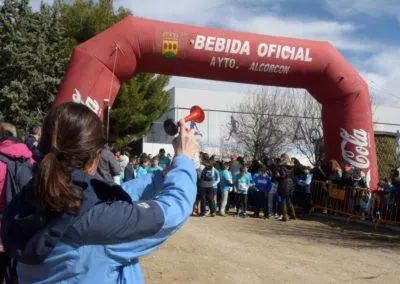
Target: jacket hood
x=30, y=231
x=15, y=150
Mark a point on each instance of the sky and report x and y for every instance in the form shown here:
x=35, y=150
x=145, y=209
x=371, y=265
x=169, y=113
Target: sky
x=367, y=32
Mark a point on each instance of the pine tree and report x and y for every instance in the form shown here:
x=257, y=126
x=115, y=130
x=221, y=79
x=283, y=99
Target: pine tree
x=83, y=19
x=33, y=58
x=34, y=52
x=141, y=101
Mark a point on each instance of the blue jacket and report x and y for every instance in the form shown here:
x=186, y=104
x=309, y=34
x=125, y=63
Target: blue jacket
x=103, y=242
x=262, y=183
x=153, y=169
x=305, y=183
x=226, y=180
x=141, y=172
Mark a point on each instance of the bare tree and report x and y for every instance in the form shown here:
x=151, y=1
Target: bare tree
x=260, y=124
x=276, y=120
x=307, y=127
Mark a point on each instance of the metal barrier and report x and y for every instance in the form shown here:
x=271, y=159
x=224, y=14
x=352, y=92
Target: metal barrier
x=379, y=206
x=385, y=207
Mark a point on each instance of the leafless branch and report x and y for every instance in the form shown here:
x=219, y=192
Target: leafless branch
x=260, y=130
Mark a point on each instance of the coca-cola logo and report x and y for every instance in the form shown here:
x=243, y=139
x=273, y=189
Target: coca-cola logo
x=359, y=140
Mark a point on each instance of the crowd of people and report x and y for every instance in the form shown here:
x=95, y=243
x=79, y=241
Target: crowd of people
x=273, y=187
x=367, y=201
x=60, y=199
x=266, y=187
x=120, y=167
x=276, y=186
x=223, y=185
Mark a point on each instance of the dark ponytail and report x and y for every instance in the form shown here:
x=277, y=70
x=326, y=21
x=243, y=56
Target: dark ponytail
x=54, y=188
x=72, y=138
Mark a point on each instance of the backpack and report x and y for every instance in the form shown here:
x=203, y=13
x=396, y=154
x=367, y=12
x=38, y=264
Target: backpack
x=19, y=173
x=207, y=177
x=207, y=174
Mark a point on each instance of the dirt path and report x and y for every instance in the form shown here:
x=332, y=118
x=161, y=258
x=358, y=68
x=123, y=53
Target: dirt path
x=235, y=250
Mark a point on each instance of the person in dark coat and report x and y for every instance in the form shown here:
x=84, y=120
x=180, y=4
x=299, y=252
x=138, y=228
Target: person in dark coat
x=297, y=167
x=347, y=179
x=273, y=196
x=395, y=193
x=130, y=170
x=319, y=188
x=298, y=171
x=254, y=167
x=304, y=186
x=319, y=173
x=32, y=141
x=335, y=172
x=108, y=168
x=206, y=187
x=285, y=177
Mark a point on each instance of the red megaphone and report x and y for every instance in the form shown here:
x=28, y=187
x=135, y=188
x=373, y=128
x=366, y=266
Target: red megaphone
x=196, y=114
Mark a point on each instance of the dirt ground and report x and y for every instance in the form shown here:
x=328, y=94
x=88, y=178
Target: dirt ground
x=236, y=250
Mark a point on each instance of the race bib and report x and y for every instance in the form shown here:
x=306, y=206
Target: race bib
x=243, y=187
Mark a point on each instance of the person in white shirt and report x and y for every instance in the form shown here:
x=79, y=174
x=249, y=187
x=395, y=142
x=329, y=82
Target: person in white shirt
x=123, y=162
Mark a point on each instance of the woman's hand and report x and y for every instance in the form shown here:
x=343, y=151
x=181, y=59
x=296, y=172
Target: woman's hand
x=187, y=143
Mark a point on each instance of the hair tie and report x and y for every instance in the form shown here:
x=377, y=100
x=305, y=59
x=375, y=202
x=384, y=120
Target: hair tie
x=55, y=151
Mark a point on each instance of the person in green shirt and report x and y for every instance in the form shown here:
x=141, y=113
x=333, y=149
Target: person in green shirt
x=243, y=183
x=142, y=170
x=154, y=166
x=163, y=160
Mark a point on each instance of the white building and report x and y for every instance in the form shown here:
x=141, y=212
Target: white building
x=215, y=129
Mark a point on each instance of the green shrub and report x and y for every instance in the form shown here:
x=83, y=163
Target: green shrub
x=386, y=152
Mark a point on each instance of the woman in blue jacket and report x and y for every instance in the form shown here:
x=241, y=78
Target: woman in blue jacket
x=70, y=227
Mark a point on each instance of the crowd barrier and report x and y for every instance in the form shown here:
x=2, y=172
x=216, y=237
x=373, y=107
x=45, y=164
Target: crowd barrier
x=350, y=202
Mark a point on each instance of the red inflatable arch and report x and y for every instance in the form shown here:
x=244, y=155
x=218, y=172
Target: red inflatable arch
x=99, y=66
